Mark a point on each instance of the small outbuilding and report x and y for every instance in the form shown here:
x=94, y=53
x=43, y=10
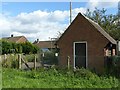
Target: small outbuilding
x=86, y=43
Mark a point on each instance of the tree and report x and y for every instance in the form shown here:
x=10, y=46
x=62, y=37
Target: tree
x=10, y=47
x=108, y=22
x=28, y=48
x=6, y=47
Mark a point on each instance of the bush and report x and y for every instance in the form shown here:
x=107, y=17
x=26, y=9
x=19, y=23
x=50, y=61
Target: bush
x=10, y=47
x=30, y=57
x=84, y=73
x=14, y=64
x=114, y=66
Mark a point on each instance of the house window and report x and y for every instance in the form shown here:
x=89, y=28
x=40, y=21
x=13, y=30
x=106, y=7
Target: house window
x=107, y=52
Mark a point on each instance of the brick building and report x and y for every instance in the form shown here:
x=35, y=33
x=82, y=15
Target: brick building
x=86, y=43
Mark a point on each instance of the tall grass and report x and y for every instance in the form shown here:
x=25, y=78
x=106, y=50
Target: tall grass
x=53, y=78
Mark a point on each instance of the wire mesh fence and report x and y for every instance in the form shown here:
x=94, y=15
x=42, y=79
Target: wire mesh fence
x=111, y=65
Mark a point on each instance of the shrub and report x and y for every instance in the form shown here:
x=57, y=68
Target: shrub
x=14, y=64
x=11, y=47
x=29, y=57
x=114, y=67
x=84, y=73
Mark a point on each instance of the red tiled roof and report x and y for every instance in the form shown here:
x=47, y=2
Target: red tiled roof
x=17, y=39
x=45, y=44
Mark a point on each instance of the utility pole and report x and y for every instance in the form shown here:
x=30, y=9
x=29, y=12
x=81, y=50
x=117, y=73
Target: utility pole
x=70, y=11
x=119, y=8
x=119, y=13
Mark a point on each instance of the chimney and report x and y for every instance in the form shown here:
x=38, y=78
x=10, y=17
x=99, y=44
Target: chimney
x=37, y=40
x=11, y=35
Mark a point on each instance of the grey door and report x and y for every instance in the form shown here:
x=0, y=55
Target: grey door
x=80, y=55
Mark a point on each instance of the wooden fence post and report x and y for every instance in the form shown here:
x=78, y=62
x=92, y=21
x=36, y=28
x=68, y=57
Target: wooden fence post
x=5, y=59
x=68, y=62
x=35, y=63
x=19, y=59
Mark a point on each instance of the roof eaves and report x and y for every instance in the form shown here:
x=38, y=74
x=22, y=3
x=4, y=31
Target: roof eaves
x=103, y=32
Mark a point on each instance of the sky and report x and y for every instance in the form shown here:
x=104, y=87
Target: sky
x=43, y=20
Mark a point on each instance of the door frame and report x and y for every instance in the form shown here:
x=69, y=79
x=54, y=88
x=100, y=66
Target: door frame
x=74, y=53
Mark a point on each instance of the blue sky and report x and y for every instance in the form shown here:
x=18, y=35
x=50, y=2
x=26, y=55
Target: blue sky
x=43, y=20
x=14, y=8
x=17, y=7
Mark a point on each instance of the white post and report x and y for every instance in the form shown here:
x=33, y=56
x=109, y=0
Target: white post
x=5, y=57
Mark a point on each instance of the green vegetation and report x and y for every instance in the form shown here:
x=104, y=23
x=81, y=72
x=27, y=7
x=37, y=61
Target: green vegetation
x=53, y=78
x=12, y=59
x=10, y=47
x=112, y=66
x=108, y=22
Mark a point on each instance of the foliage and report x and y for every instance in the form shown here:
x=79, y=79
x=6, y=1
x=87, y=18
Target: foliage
x=114, y=68
x=108, y=22
x=53, y=78
x=6, y=47
x=11, y=61
x=30, y=57
x=14, y=64
x=10, y=47
x=29, y=48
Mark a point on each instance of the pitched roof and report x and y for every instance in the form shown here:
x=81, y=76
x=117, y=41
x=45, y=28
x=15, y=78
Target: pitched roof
x=14, y=39
x=105, y=34
x=45, y=44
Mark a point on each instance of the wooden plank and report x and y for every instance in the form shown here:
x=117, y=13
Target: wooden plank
x=25, y=63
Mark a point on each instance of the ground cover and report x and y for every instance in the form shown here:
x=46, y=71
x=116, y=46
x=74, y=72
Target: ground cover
x=53, y=78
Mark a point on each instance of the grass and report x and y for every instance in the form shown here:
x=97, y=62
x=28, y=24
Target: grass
x=53, y=78
x=119, y=83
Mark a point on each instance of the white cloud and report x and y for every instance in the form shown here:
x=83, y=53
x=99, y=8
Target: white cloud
x=102, y=4
x=44, y=24
x=5, y=25
x=37, y=24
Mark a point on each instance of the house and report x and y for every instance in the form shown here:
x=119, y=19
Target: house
x=86, y=43
x=45, y=45
x=16, y=39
